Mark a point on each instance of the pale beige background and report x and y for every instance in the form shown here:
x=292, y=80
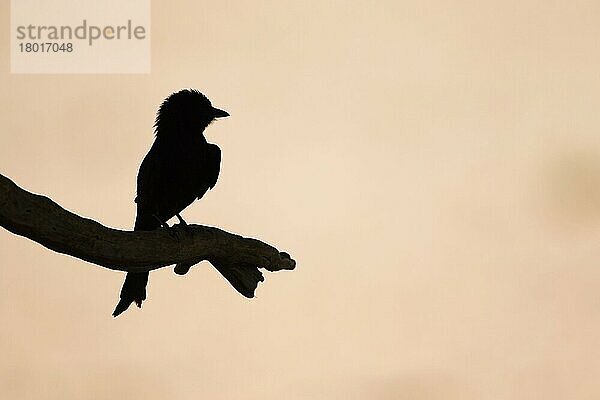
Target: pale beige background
x=433, y=166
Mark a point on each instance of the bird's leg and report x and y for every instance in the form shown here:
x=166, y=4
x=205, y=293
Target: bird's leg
x=170, y=229
x=184, y=226
x=160, y=221
x=181, y=221
x=183, y=268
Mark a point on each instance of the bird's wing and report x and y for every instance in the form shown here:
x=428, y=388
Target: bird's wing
x=151, y=175
x=210, y=168
x=149, y=179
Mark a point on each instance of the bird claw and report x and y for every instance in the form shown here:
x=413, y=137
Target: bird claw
x=172, y=231
x=185, y=228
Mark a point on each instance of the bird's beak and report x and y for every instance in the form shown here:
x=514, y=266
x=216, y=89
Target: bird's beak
x=219, y=113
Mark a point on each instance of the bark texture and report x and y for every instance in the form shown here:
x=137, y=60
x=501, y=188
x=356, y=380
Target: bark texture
x=40, y=219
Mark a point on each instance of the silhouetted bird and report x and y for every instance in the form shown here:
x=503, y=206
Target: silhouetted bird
x=179, y=168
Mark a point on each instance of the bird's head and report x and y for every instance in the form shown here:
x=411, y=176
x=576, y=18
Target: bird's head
x=186, y=112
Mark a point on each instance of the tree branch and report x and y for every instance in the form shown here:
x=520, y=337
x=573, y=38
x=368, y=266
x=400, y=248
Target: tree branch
x=42, y=220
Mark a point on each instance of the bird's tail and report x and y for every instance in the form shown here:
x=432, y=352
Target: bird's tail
x=134, y=287
x=134, y=290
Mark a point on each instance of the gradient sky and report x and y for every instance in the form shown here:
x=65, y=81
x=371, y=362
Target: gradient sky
x=432, y=166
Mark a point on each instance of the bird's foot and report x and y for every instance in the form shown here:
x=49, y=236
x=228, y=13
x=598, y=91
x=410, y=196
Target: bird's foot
x=160, y=221
x=184, y=226
x=171, y=230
